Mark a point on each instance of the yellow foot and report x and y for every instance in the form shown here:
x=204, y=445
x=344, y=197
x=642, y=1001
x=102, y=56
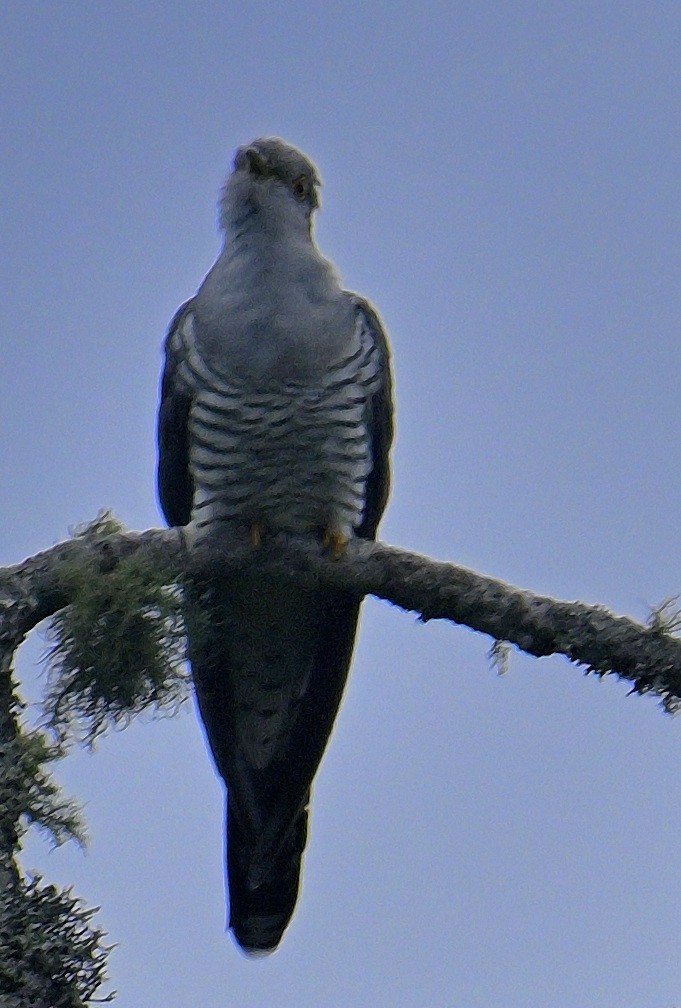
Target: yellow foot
x=336, y=542
x=256, y=533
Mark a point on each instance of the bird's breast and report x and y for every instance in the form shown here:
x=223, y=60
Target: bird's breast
x=290, y=454
x=272, y=315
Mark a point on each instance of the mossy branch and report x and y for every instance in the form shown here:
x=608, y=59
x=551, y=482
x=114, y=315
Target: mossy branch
x=50, y=955
x=118, y=648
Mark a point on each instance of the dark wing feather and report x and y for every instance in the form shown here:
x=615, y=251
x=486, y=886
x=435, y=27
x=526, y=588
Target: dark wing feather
x=175, y=488
x=381, y=426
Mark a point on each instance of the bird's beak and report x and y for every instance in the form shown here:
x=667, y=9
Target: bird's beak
x=251, y=160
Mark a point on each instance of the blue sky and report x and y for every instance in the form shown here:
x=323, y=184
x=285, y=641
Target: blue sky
x=502, y=180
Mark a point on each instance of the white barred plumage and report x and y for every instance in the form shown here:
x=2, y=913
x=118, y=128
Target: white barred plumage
x=292, y=456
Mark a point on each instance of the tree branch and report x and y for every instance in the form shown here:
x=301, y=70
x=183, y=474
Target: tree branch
x=589, y=635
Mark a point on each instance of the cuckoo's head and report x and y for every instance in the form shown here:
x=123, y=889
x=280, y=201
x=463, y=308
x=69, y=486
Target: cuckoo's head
x=272, y=183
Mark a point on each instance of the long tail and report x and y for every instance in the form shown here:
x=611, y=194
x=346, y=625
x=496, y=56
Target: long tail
x=269, y=665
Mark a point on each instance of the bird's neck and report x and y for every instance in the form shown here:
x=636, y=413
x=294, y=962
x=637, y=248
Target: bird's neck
x=266, y=242
x=267, y=255
x=251, y=223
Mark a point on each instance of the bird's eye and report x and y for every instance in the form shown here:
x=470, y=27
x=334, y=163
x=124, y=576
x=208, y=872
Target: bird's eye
x=301, y=188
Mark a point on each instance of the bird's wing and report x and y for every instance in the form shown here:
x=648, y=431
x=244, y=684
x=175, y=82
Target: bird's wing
x=175, y=489
x=380, y=425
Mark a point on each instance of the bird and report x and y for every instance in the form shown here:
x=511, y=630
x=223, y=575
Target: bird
x=275, y=416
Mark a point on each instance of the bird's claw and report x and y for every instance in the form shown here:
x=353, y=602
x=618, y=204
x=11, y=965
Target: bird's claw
x=257, y=530
x=336, y=542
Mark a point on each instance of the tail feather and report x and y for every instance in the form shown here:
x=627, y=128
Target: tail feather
x=267, y=799
x=262, y=901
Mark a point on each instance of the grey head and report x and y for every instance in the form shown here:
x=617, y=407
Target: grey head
x=272, y=183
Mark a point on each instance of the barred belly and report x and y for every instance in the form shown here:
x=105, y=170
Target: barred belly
x=289, y=456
